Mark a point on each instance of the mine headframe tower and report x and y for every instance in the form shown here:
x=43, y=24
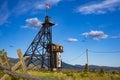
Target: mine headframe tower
x=42, y=52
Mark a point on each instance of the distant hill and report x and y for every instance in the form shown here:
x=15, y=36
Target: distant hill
x=13, y=60
x=92, y=67
x=77, y=67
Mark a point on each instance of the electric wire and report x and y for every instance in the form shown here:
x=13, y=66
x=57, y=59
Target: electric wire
x=103, y=51
x=76, y=57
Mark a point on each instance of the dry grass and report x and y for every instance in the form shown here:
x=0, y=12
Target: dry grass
x=73, y=75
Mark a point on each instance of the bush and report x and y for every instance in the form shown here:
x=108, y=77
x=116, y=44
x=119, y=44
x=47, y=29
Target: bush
x=1, y=73
x=101, y=71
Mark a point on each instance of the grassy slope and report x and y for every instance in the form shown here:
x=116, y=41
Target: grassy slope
x=74, y=75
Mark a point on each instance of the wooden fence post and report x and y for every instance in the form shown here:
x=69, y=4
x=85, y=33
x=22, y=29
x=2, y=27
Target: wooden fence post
x=17, y=65
x=5, y=60
x=1, y=61
x=22, y=60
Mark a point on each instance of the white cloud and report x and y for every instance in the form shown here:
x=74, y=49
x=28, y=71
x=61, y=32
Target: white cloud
x=22, y=7
x=3, y=18
x=32, y=23
x=4, y=13
x=96, y=35
x=0, y=33
x=53, y=1
x=41, y=5
x=72, y=40
x=116, y=36
x=100, y=8
x=32, y=6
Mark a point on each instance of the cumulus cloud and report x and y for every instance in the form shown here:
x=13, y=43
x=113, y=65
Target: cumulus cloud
x=96, y=35
x=100, y=8
x=32, y=23
x=22, y=7
x=72, y=40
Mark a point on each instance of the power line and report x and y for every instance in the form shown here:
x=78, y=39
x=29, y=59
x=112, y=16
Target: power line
x=76, y=57
x=103, y=51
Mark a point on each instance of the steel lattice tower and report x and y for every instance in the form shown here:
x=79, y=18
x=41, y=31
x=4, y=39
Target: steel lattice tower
x=40, y=53
x=36, y=52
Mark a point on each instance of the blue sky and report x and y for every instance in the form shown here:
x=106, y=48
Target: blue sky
x=80, y=25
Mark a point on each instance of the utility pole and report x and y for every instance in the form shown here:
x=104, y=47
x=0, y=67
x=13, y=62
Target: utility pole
x=86, y=65
x=87, y=56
